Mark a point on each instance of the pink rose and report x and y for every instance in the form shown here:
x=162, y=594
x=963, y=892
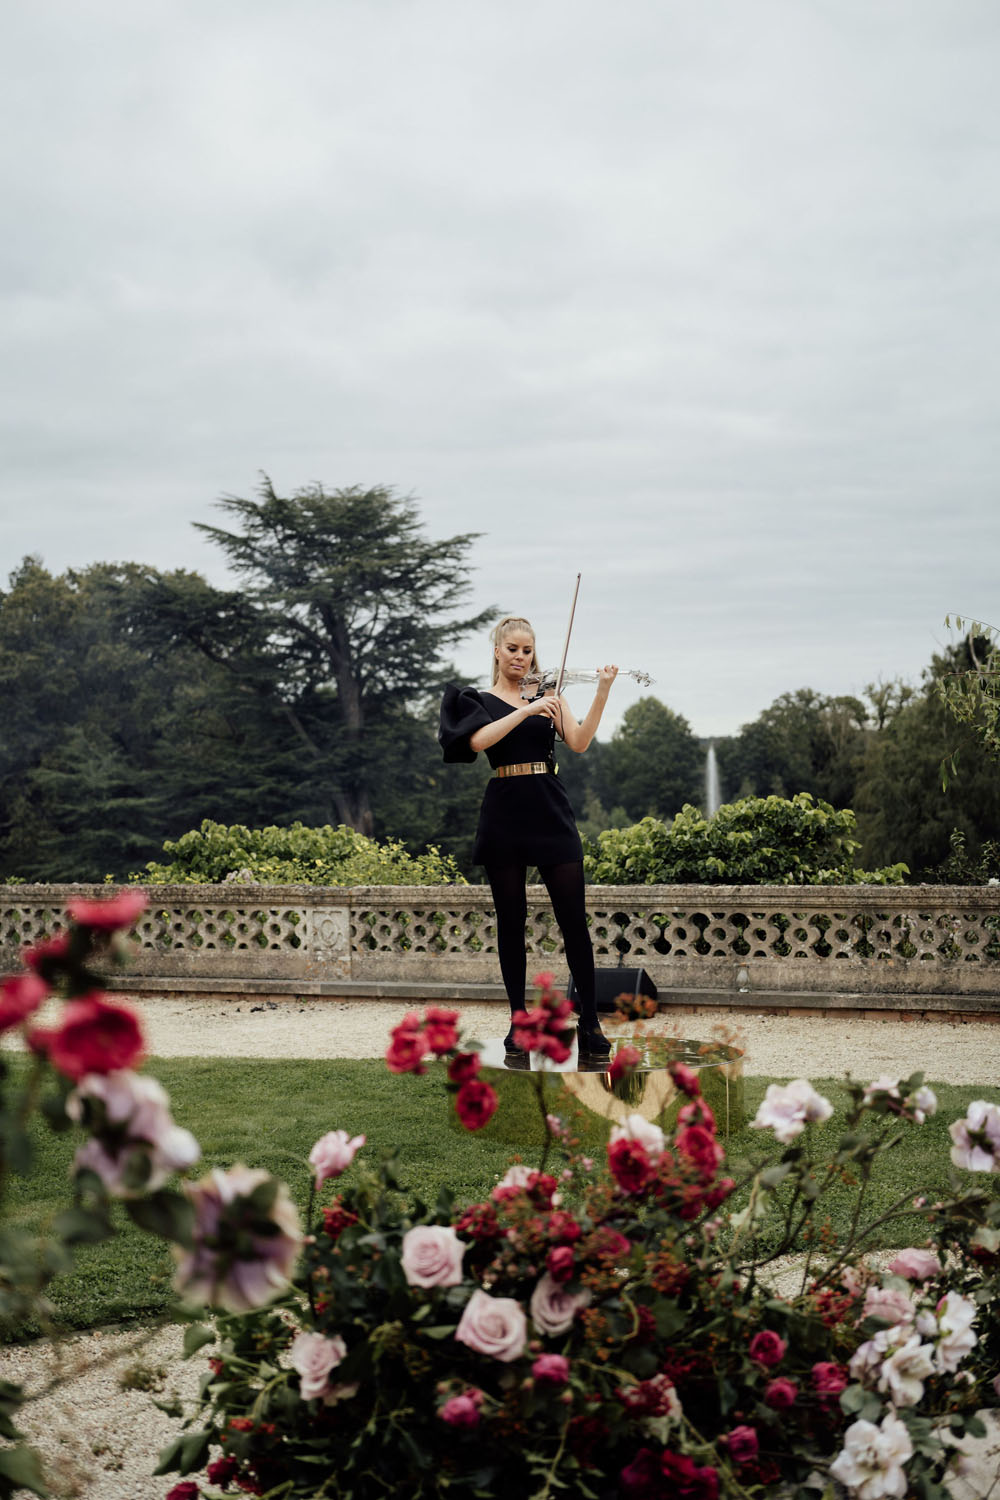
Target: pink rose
x=544, y=981
x=624, y=1060
x=889, y=1304
x=93, y=1037
x=743, y=1445
x=686, y=1080
x=767, y=1348
x=129, y=1117
x=551, y=1369
x=245, y=1240
x=781, y=1394
x=333, y=1154
x=432, y=1256
x=493, y=1325
x=828, y=1378
x=313, y=1356
x=916, y=1265
x=553, y=1308
x=463, y=1410
x=109, y=916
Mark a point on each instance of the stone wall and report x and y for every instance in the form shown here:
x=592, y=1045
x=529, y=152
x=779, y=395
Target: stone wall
x=866, y=941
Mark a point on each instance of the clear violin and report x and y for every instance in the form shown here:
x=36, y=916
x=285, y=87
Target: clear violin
x=537, y=684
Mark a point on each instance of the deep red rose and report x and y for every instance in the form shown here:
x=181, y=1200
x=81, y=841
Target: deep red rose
x=541, y=1189
x=742, y=1444
x=337, y=1218
x=93, y=1037
x=440, y=1029
x=20, y=997
x=685, y=1078
x=767, y=1348
x=650, y=1398
x=686, y=1480
x=607, y=1244
x=463, y=1066
x=701, y=1148
x=640, y=1480
x=186, y=1490
x=475, y=1104
x=240, y=1424
x=781, y=1394
x=718, y=1193
x=222, y=1471
x=553, y=1046
x=479, y=1222
x=829, y=1379
x=630, y=1166
x=109, y=916
x=560, y=1263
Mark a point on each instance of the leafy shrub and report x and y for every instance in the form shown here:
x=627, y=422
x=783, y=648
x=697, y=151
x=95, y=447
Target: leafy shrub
x=755, y=841
x=295, y=855
x=965, y=868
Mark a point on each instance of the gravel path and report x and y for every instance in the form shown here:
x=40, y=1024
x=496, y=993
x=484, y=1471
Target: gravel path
x=100, y=1438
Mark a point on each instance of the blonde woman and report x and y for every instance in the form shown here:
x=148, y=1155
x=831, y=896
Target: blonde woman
x=526, y=818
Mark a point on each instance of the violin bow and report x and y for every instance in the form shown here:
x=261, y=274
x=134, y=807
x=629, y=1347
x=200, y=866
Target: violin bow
x=569, y=631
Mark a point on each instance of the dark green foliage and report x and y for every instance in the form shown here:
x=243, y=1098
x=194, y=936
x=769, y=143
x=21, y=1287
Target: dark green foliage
x=756, y=841
x=805, y=742
x=652, y=765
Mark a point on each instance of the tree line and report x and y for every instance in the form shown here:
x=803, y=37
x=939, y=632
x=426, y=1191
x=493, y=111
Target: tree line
x=138, y=702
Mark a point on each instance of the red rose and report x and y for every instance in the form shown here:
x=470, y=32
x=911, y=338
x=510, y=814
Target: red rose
x=623, y=1061
x=767, y=1348
x=685, y=1078
x=406, y=1050
x=222, y=1471
x=544, y=981
x=109, y=916
x=186, y=1490
x=48, y=956
x=475, y=1104
x=559, y=1262
x=19, y=998
x=686, y=1480
x=463, y=1066
x=640, y=1480
x=630, y=1166
x=552, y=1047
x=93, y=1037
x=701, y=1149
x=829, y=1379
x=440, y=1029
x=337, y=1218
x=742, y=1444
x=551, y=1369
x=563, y=1227
x=479, y=1221
x=781, y=1394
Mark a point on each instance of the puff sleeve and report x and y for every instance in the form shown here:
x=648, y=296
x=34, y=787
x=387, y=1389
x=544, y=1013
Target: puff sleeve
x=462, y=713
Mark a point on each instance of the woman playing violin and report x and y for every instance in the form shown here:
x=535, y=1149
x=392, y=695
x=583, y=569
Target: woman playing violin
x=526, y=818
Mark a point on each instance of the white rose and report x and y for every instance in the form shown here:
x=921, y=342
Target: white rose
x=645, y=1132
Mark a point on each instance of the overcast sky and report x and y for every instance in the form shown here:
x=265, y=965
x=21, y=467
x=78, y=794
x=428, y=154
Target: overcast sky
x=699, y=299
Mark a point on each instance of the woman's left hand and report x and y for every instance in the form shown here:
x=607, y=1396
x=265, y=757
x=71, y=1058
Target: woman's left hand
x=607, y=674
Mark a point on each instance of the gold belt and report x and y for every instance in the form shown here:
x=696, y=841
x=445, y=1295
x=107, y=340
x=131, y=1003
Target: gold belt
x=525, y=768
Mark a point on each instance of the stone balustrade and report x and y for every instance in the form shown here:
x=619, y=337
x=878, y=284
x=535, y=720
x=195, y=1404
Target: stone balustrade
x=930, y=944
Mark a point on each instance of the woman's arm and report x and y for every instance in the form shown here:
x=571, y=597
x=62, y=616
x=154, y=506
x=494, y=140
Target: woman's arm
x=483, y=738
x=578, y=736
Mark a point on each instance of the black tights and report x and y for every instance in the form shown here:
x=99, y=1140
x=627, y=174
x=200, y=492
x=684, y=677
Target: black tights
x=565, y=886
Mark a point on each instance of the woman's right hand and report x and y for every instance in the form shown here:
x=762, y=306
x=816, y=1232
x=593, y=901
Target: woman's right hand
x=548, y=707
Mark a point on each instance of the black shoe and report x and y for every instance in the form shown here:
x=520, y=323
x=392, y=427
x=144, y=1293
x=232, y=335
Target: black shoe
x=591, y=1041
x=510, y=1046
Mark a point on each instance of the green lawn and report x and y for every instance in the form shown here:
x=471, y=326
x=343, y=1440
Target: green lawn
x=268, y=1114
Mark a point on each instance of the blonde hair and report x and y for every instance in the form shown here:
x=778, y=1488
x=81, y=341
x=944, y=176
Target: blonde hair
x=503, y=628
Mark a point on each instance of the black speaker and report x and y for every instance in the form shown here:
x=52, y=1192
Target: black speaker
x=610, y=983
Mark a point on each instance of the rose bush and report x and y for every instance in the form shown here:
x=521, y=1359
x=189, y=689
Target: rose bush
x=607, y=1330
x=613, y=1331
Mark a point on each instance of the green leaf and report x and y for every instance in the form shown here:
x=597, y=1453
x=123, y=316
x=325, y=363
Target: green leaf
x=169, y=1457
x=23, y=1468
x=82, y=1226
x=196, y=1337
x=194, y=1451
x=166, y=1214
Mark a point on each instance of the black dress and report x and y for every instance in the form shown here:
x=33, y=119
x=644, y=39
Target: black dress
x=524, y=820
